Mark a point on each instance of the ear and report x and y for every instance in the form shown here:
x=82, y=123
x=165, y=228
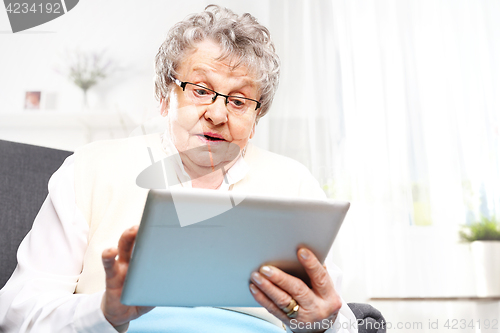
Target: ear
x=252, y=133
x=163, y=107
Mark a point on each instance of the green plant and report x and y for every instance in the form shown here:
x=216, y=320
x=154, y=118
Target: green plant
x=86, y=69
x=482, y=230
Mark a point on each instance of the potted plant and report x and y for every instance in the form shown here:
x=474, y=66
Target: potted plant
x=85, y=70
x=484, y=239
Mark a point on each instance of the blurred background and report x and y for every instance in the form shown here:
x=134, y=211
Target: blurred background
x=392, y=105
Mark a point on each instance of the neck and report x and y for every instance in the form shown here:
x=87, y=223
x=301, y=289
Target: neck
x=206, y=177
x=211, y=181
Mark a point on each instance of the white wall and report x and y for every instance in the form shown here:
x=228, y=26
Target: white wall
x=130, y=31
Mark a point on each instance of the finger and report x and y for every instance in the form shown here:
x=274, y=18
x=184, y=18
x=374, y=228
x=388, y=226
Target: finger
x=126, y=243
x=270, y=306
x=320, y=279
x=293, y=286
x=274, y=293
x=108, y=261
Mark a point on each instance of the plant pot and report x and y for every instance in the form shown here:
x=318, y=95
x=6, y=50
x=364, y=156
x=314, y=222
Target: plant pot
x=486, y=257
x=85, y=100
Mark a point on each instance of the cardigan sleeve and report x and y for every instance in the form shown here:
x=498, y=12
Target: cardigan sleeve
x=39, y=296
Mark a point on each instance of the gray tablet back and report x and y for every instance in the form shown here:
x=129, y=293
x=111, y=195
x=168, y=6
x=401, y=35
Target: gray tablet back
x=208, y=263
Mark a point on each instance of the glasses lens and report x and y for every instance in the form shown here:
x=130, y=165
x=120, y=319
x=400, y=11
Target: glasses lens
x=199, y=95
x=239, y=105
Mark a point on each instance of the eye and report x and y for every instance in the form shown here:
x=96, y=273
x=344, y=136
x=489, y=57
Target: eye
x=201, y=92
x=237, y=102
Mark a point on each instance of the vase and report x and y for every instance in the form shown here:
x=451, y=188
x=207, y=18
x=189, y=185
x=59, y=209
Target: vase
x=486, y=258
x=85, y=101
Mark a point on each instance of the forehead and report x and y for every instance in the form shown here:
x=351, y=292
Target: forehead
x=203, y=61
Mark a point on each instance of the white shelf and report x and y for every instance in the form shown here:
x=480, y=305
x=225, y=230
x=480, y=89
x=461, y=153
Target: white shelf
x=64, y=130
x=55, y=119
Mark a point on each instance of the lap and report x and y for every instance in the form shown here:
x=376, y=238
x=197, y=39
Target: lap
x=200, y=320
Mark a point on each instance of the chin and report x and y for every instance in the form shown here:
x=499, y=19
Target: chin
x=207, y=160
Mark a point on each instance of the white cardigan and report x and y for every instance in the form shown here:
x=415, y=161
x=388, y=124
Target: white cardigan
x=106, y=190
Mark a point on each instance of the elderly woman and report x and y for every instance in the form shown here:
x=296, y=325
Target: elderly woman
x=216, y=75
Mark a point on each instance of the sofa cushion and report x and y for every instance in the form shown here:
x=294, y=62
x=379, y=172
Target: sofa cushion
x=24, y=174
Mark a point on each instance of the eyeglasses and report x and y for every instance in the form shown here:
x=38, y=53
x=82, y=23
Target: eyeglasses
x=201, y=95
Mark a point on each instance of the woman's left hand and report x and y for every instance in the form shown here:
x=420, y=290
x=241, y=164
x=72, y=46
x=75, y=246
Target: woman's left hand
x=274, y=289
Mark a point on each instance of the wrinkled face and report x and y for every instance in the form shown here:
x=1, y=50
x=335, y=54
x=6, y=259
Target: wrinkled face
x=210, y=135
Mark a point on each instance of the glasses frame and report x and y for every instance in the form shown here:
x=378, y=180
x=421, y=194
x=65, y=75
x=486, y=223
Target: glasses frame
x=183, y=84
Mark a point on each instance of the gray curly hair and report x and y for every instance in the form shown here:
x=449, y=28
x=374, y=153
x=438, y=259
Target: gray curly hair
x=240, y=37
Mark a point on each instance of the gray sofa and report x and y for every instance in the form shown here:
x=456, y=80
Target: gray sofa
x=24, y=173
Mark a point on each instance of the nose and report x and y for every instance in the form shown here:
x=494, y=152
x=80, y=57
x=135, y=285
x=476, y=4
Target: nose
x=216, y=112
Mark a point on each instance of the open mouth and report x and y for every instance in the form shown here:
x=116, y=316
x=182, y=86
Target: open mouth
x=211, y=137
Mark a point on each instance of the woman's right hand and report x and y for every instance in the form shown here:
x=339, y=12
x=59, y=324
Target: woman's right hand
x=116, y=268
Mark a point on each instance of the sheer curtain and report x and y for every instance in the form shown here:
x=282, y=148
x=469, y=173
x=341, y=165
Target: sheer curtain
x=394, y=106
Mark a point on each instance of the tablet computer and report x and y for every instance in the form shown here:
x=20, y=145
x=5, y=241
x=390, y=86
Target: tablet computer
x=198, y=247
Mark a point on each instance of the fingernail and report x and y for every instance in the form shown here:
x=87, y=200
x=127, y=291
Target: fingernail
x=256, y=277
x=253, y=289
x=304, y=253
x=266, y=270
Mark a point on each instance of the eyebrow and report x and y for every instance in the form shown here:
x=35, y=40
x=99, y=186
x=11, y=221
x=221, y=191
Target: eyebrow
x=199, y=69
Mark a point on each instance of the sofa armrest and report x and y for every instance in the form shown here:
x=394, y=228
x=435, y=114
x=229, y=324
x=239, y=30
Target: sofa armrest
x=370, y=320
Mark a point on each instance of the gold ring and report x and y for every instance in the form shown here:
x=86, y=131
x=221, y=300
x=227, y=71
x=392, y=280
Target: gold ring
x=293, y=313
x=291, y=309
x=290, y=306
